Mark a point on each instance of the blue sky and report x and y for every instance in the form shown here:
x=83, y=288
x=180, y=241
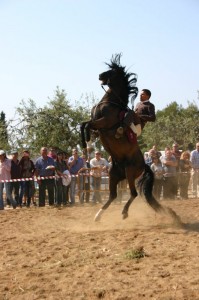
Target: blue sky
x=49, y=43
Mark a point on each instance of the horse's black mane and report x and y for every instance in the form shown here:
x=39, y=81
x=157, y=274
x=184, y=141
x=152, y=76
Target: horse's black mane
x=130, y=82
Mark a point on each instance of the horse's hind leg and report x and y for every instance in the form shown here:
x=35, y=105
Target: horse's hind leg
x=128, y=203
x=130, y=175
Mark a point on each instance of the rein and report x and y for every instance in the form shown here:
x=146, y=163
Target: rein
x=122, y=105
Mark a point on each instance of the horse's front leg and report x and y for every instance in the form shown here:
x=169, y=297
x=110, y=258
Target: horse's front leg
x=112, y=196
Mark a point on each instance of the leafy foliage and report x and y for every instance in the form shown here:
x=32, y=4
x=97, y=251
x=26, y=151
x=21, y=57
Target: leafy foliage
x=3, y=132
x=174, y=123
x=55, y=125
x=58, y=125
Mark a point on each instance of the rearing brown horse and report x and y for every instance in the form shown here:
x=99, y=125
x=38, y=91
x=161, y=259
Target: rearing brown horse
x=127, y=159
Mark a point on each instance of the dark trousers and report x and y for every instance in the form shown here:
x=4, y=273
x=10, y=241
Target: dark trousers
x=48, y=184
x=14, y=186
x=157, y=188
x=61, y=193
x=184, y=185
x=169, y=187
x=84, y=188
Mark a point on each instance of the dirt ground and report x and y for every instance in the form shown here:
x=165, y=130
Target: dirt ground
x=51, y=253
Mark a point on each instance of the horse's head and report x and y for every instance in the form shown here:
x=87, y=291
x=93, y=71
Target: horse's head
x=118, y=80
x=105, y=77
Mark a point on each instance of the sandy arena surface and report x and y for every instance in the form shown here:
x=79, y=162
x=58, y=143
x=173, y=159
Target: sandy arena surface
x=51, y=253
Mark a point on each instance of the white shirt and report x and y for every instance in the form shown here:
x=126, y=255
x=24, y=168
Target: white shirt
x=195, y=159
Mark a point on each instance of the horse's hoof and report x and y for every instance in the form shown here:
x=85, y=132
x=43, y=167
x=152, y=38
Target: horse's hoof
x=97, y=218
x=124, y=215
x=98, y=215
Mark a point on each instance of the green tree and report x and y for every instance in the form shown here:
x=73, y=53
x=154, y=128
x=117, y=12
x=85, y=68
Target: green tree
x=3, y=132
x=174, y=123
x=57, y=124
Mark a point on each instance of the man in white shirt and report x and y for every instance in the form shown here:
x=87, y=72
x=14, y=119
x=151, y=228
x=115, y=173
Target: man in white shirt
x=195, y=169
x=99, y=166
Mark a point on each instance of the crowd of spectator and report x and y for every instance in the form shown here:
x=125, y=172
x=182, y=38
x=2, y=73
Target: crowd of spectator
x=173, y=169
x=64, y=178
x=58, y=178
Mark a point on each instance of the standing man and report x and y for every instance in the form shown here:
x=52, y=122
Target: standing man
x=169, y=164
x=45, y=167
x=195, y=170
x=15, y=174
x=144, y=112
x=75, y=163
x=98, y=165
x=177, y=153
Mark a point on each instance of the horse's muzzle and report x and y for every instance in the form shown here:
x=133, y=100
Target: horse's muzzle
x=103, y=80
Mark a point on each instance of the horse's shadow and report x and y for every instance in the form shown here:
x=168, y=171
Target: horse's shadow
x=191, y=226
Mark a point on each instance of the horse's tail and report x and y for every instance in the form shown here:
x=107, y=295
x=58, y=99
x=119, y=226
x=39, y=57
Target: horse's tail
x=83, y=140
x=85, y=133
x=145, y=185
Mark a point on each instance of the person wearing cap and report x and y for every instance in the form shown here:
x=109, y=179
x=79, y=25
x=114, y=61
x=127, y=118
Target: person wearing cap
x=195, y=170
x=5, y=174
x=45, y=167
x=75, y=163
x=99, y=166
x=15, y=174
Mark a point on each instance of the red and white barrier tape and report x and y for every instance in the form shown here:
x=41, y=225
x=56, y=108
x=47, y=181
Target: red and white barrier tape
x=43, y=178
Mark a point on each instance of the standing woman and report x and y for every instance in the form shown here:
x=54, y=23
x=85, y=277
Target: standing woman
x=185, y=174
x=5, y=175
x=27, y=170
x=158, y=171
x=61, y=189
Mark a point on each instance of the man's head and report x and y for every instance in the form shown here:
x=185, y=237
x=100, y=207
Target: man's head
x=14, y=153
x=26, y=153
x=43, y=151
x=75, y=153
x=175, y=147
x=168, y=153
x=97, y=155
x=145, y=95
x=52, y=153
x=197, y=147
